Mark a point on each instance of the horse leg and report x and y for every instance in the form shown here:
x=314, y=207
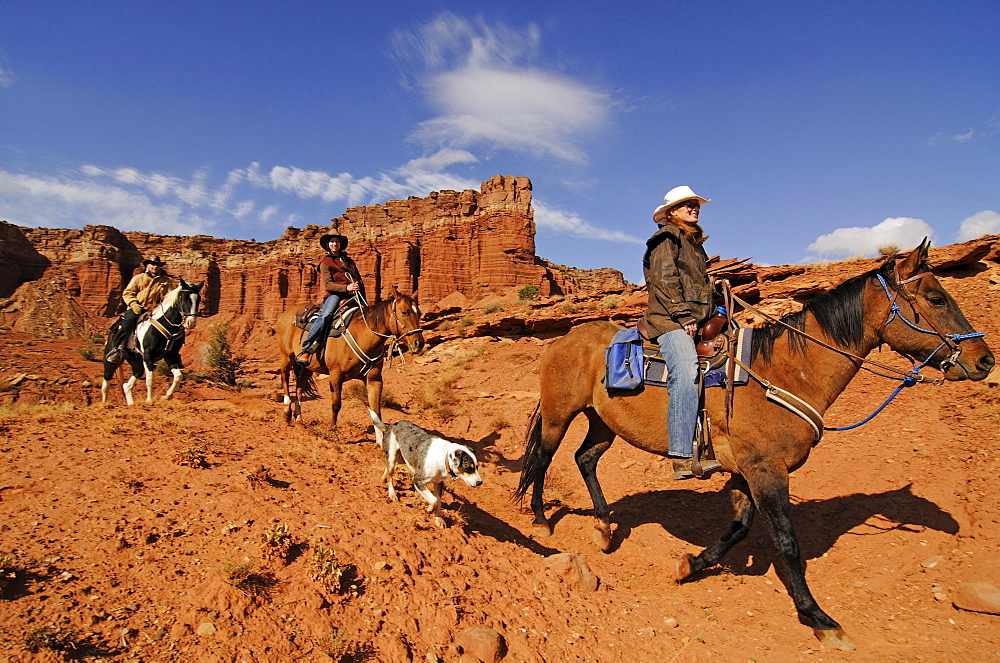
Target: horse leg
x=373, y=382
x=149, y=384
x=178, y=376
x=336, y=386
x=743, y=513
x=769, y=488
x=598, y=440
x=127, y=388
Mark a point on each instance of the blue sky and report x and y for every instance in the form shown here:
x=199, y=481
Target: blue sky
x=819, y=130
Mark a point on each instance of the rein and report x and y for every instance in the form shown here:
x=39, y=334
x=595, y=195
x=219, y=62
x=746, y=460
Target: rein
x=909, y=378
x=393, y=339
x=158, y=322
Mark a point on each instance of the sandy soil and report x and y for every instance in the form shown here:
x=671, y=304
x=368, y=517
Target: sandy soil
x=137, y=533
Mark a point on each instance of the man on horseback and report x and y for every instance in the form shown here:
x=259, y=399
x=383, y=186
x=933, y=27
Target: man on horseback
x=340, y=278
x=680, y=299
x=144, y=292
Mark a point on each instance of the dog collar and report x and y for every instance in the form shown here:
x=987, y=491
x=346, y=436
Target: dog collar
x=447, y=466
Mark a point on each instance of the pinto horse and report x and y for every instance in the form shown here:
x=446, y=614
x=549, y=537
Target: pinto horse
x=358, y=353
x=762, y=441
x=160, y=336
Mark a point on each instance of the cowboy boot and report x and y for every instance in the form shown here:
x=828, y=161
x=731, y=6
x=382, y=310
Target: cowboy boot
x=682, y=468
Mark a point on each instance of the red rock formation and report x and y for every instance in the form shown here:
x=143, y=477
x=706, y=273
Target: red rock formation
x=469, y=242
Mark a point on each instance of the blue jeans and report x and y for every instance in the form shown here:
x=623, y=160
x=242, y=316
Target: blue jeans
x=321, y=323
x=681, y=358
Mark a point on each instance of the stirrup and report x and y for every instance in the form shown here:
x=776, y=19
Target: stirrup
x=114, y=355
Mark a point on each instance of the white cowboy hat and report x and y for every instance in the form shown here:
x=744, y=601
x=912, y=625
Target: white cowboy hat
x=676, y=195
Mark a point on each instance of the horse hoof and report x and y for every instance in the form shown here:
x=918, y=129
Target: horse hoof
x=834, y=638
x=684, y=569
x=541, y=530
x=602, y=538
x=440, y=523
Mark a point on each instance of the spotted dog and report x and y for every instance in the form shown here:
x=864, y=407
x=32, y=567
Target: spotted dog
x=431, y=459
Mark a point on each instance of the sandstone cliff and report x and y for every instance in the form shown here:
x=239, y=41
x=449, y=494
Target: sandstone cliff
x=59, y=281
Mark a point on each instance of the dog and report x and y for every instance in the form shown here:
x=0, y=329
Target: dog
x=431, y=459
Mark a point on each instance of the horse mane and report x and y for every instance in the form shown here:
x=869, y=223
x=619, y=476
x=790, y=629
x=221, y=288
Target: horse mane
x=839, y=313
x=378, y=313
x=170, y=299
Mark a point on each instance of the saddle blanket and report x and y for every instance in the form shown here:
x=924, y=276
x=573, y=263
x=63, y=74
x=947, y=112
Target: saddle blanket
x=341, y=317
x=631, y=365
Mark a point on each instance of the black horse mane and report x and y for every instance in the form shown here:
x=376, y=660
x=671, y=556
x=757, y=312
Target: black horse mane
x=839, y=313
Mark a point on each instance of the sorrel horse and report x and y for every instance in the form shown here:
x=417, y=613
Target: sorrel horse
x=358, y=353
x=762, y=441
x=160, y=336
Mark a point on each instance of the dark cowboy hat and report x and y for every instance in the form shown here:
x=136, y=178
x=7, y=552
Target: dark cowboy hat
x=155, y=260
x=324, y=241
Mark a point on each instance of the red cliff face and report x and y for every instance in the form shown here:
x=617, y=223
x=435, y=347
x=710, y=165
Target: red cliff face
x=470, y=242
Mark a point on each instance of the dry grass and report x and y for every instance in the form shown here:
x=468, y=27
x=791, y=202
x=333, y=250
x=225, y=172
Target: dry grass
x=341, y=648
x=245, y=577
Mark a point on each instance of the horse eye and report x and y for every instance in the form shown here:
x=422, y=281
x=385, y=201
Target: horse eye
x=937, y=300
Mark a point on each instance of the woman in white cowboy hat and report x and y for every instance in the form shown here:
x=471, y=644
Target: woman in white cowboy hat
x=680, y=298
x=145, y=291
x=340, y=278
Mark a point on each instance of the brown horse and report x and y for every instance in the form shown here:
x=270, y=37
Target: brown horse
x=358, y=353
x=762, y=441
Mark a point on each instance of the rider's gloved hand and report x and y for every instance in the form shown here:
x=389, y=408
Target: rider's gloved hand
x=136, y=308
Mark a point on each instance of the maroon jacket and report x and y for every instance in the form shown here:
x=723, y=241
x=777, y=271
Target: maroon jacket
x=336, y=273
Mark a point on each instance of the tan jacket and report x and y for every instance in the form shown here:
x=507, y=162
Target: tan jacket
x=679, y=288
x=147, y=290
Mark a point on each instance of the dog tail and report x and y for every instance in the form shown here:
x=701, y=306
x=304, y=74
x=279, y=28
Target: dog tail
x=378, y=422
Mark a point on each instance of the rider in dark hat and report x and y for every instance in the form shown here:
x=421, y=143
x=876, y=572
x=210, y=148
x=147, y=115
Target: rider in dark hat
x=340, y=278
x=145, y=291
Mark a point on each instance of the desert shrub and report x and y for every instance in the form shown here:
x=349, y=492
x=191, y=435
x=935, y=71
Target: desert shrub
x=493, y=307
x=887, y=250
x=245, y=577
x=277, y=542
x=567, y=307
x=326, y=569
x=440, y=395
x=528, y=293
x=610, y=302
x=54, y=638
x=356, y=390
x=222, y=365
x=463, y=322
x=341, y=648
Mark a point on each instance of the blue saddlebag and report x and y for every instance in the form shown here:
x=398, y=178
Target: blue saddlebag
x=624, y=361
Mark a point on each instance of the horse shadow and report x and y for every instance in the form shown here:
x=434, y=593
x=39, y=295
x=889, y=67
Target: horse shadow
x=702, y=518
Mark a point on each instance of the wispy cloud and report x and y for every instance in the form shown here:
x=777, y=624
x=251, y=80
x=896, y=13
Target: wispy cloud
x=6, y=75
x=255, y=199
x=982, y=223
x=903, y=232
x=559, y=222
x=478, y=79
x=48, y=201
x=951, y=138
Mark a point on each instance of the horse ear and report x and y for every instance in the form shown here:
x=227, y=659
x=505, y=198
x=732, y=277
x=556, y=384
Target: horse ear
x=199, y=286
x=183, y=282
x=915, y=260
x=393, y=293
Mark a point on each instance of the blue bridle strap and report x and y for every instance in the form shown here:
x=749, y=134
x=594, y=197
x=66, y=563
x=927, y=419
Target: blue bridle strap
x=908, y=380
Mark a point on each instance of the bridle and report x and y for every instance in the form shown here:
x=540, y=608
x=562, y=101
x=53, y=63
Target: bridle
x=950, y=340
x=392, y=339
x=161, y=321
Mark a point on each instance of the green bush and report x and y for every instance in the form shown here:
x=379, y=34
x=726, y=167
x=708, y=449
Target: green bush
x=221, y=364
x=528, y=293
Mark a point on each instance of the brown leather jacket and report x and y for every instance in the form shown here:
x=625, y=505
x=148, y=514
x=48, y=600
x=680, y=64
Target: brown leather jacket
x=679, y=289
x=336, y=273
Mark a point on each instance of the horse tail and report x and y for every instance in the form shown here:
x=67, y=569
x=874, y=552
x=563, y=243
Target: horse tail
x=305, y=382
x=530, y=466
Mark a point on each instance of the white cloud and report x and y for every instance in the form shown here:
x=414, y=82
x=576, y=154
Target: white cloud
x=951, y=138
x=559, y=222
x=982, y=223
x=6, y=75
x=904, y=232
x=475, y=77
x=46, y=201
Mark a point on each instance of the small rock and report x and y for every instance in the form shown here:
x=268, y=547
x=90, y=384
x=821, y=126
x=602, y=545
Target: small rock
x=573, y=569
x=206, y=628
x=670, y=622
x=647, y=631
x=484, y=643
x=978, y=597
x=931, y=562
